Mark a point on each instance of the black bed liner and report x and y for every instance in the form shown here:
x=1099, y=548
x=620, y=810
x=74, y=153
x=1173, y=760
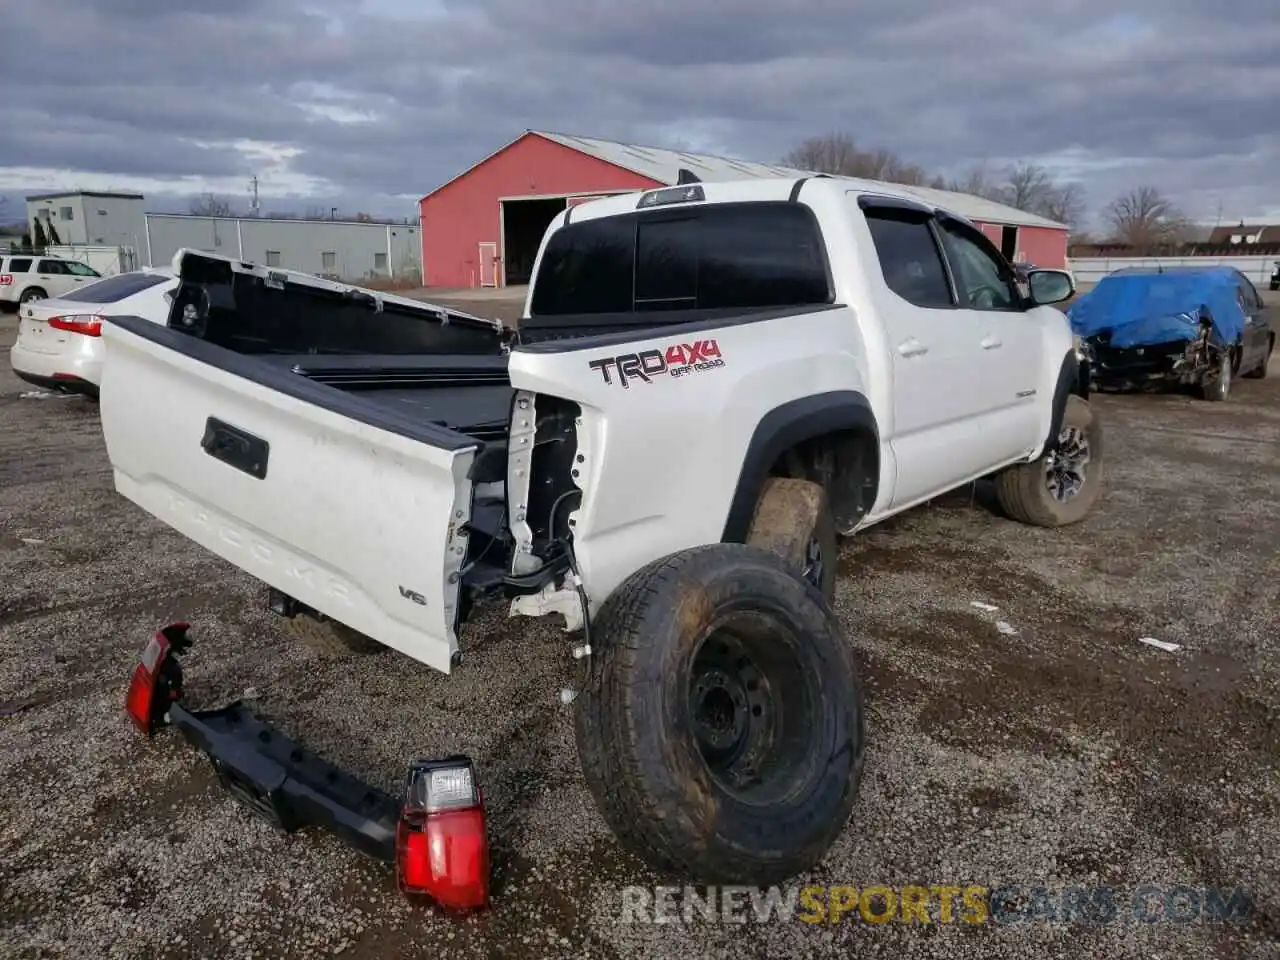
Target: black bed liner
x=399, y=418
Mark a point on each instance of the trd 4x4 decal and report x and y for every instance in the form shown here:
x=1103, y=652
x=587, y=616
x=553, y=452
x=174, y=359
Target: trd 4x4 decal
x=677, y=360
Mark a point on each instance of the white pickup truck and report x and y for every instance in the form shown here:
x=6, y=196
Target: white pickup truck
x=709, y=383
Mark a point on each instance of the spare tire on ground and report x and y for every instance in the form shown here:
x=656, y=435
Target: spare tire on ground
x=721, y=727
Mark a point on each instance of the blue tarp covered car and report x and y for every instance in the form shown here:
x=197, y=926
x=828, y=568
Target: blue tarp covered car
x=1177, y=325
x=1140, y=309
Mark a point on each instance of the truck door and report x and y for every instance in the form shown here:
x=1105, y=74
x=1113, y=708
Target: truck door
x=1009, y=358
x=933, y=350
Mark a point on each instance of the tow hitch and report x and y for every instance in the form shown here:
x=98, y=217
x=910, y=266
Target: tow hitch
x=435, y=837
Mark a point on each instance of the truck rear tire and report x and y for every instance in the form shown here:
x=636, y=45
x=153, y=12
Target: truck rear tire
x=794, y=520
x=721, y=726
x=1060, y=487
x=329, y=638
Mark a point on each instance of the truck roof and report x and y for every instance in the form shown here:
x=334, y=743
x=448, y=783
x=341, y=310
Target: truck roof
x=757, y=190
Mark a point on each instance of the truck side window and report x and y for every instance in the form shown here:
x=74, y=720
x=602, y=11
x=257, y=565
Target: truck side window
x=982, y=281
x=909, y=258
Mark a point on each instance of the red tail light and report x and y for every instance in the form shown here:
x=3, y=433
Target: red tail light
x=6, y=279
x=90, y=324
x=157, y=680
x=442, y=844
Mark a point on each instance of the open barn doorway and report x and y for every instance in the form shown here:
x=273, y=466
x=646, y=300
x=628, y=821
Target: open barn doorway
x=1009, y=242
x=523, y=224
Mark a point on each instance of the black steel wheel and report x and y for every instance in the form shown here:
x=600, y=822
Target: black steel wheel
x=721, y=728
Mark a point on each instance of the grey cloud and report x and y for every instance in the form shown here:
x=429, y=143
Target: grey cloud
x=1187, y=91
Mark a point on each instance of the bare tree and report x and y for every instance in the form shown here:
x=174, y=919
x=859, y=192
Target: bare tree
x=1066, y=205
x=838, y=154
x=831, y=153
x=211, y=205
x=1145, y=219
x=1029, y=187
x=978, y=182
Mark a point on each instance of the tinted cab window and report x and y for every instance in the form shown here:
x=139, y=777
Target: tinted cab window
x=744, y=256
x=17, y=265
x=910, y=260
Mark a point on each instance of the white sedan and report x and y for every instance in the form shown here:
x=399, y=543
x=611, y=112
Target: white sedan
x=59, y=344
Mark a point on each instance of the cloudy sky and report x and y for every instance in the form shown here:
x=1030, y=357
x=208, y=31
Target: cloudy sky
x=367, y=104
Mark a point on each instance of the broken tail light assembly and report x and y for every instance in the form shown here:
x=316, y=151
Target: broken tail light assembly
x=442, y=845
x=436, y=835
x=157, y=679
x=88, y=324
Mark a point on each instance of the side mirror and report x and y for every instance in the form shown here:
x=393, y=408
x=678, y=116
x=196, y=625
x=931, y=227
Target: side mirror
x=1050, y=286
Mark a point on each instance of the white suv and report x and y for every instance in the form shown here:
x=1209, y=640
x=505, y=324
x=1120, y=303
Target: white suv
x=26, y=277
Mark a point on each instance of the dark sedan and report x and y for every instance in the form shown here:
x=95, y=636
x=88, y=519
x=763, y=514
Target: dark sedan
x=1204, y=361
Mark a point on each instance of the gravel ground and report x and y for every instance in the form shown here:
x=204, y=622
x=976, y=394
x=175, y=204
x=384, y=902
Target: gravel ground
x=1064, y=754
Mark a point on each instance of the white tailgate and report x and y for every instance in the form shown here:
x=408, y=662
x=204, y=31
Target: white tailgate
x=353, y=520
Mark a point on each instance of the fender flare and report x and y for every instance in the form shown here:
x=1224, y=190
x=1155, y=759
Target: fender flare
x=782, y=428
x=1069, y=382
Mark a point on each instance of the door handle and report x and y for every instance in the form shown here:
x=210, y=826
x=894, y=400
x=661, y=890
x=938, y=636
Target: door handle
x=991, y=342
x=911, y=347
x=236, y=448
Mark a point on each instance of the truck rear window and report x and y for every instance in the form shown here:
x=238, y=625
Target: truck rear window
x=740, y=255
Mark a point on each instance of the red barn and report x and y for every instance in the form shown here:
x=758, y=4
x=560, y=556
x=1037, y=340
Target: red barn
x=483, y=227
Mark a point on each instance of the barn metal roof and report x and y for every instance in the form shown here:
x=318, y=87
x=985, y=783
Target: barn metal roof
x=664, y=165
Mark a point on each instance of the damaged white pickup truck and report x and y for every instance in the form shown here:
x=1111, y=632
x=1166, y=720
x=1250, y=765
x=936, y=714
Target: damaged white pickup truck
x=710, y=382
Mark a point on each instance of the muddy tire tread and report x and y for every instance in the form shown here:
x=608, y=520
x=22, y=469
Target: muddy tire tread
x=614, y=771
x=773, y=526
x=608, y=755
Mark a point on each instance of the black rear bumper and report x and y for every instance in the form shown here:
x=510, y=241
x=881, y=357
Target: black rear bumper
x=73, y=385
x=286, y=784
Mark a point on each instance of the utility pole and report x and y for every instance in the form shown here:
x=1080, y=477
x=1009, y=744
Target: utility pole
x=253, y=196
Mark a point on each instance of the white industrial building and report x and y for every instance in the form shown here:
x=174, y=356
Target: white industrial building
x=342, y=249
x=91, y=219
x=350, y=250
